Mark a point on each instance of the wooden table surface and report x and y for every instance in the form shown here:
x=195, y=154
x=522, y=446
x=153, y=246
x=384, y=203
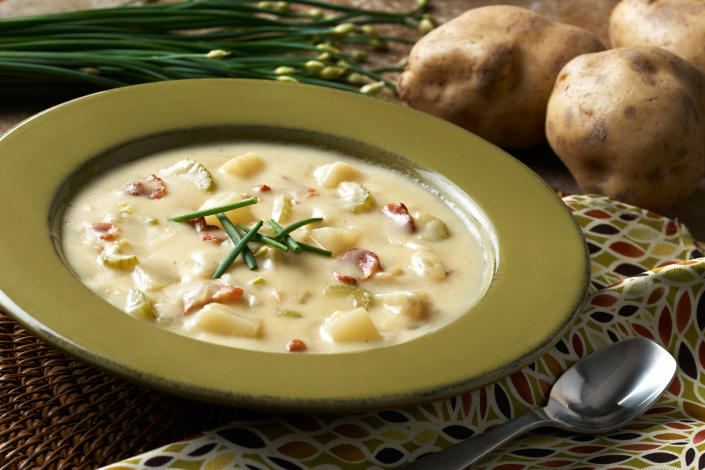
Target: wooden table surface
x=590, y=14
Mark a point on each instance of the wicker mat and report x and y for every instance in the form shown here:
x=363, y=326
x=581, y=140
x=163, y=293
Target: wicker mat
x=60, y=413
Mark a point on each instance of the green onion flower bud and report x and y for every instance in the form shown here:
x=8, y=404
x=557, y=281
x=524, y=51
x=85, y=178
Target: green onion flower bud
x=426, y=25
x=284, y=70
x=356, y=78
x=286, y=78
x=217, y=54
x=281, y=7
x=421, y=4
x=331, y=72
x=369, y=32
x=372, y=88
x=358, y=56
x=315, y=13
x=266, y=5
x=379, y=44
x=325, y=57
x=314, y=66
x=343, y=29
x=324, y=46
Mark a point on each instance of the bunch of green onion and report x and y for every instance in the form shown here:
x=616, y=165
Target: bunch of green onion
x=307, y=41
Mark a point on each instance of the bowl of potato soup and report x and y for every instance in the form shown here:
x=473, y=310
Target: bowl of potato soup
x=281, y=246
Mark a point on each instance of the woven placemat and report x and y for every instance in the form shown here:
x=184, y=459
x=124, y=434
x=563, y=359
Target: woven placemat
x=59, y=413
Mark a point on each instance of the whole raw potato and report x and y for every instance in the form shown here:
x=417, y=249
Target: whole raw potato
x=491, y=71
x=675, y=25
x=629, y=123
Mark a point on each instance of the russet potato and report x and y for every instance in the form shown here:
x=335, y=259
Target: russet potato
x=491, y=71
x=629, y=123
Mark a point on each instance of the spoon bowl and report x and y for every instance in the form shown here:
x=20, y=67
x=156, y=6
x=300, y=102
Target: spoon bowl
x=611, y=387
x=599, y=393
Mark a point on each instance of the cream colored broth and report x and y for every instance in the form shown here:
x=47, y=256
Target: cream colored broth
x=427, y=277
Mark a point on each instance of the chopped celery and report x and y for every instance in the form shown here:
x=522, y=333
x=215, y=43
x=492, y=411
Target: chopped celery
x=111, y=257
x=290, y=314
x=361, y=297
x=355, y=196
x=281, y=208
x=138, y=305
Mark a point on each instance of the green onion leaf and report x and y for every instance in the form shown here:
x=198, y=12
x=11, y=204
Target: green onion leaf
x=214, y=210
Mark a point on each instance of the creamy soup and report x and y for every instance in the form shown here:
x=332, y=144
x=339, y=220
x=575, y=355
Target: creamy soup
x=388, y=261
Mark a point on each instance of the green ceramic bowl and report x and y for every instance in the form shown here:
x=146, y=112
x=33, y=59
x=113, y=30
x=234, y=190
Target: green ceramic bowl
x=541, y=268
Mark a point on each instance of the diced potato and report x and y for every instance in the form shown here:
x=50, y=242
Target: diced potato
x=194, y=172
x=429, y=227
x=244, y=165
x=138, y=305
x=112, y=258
x=411, y=304
x=242, y=215
x=335, y=239
x=282, y=208
x=356, y=198
x=332, y=174
x=427, y=264
x=353, y=325
x=148, y=280
x=220, y=319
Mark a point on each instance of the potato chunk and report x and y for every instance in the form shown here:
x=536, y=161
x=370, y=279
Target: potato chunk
x=243, y=215
x=332, y=174
x=244, y=165
x=353, y=325
x=410, y=304
x=220, y=319
x=335, y=239
x=426, y=264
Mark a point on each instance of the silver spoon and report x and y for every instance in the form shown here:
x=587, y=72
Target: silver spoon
x=599, y=393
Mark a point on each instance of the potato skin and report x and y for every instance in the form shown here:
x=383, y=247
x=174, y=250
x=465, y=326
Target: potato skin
x=491, y=71
x=675, y=25
x=629, y=124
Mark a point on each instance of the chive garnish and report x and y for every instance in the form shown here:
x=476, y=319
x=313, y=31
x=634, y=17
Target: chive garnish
x=315, y=249
x=293, y=244
x=214, y=210
x=265, y=239
x=290, y=228
x=225, y=264
x=236, y=237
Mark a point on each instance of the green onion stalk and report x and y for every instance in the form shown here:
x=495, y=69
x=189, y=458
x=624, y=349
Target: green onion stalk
x=306, y=41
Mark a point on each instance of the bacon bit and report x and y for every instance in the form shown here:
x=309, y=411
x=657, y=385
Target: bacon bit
x=225, y=294
x=262, y=188
x=398, y=212
x=304, y=193
x=296, y=345
x=195, y=298
x=201, y=226
x=211, y=237
x=367, y=261
x=344, y=278
x=106, y=231
x=152, y=186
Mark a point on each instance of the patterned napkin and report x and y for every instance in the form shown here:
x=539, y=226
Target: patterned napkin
x=648, y=279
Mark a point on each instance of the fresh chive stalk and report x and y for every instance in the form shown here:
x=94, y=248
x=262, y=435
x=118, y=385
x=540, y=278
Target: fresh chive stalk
x=214, y=210
x=291, y=227
x=293, y=244
x=236, y=237
x=265, y=239
x=225, y=264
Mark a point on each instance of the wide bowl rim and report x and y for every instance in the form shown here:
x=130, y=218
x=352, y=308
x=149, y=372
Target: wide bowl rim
x=540, y=283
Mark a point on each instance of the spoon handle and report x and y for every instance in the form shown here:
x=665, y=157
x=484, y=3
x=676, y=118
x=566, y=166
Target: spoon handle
x=459, y=456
